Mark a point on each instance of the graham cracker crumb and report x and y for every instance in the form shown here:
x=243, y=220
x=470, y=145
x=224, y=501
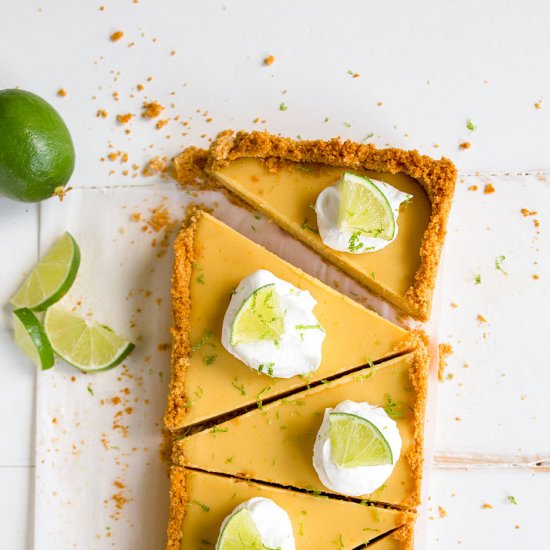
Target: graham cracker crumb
x=155, y=166
x=465, y=145
x=444, y=351
x=123, y=119
x=269, y=60
x=442, y=512
x=116, y=36
x=62, y=92
x=151, y=109
x=527, y=212
x=101, y=113
x=489, y=188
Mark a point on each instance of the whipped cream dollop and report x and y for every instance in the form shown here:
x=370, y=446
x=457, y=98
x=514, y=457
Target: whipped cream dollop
x=272, y=523
x=359, y=480
x=299, y=348
x=346, y=239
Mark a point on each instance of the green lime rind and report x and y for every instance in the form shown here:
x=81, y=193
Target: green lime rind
x=240, y=533
x=365, y=208
x=36, y=150
x=87, y=346
x=355, y=441
x=52, y=277
x=32, y=339
x=258, y=318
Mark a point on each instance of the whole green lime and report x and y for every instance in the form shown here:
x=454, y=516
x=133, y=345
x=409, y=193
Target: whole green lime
x=36, y=149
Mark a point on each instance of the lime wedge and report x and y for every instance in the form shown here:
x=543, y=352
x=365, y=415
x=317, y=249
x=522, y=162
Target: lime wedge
x=364, y=208
x=258, y=318
x=85, y=345
x=31, y=338
x=357, y=442
x=52, y=277
x=240, y=533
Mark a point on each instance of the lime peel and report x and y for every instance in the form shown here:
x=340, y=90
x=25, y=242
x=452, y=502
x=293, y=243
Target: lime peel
x=31, y=338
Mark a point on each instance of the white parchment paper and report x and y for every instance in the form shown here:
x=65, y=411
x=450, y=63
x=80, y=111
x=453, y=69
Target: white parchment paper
x=100, y=482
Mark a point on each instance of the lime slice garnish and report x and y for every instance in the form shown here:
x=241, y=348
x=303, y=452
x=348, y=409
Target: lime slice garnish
x=364, y=208
x=258, y=318
x=240, y=533
x=356, y=442
x=85, y=345
x=31, y=337
x=52, y=277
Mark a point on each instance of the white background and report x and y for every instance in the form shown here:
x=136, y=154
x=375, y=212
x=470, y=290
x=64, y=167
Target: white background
x=431, y=65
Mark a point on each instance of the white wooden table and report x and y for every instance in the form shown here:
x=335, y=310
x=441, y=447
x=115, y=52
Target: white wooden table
x=425, y=68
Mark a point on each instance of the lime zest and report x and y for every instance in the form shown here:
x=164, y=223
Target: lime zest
x=259, y=397
x=197, y=346
x=392, y=408
x=204, y=507
x=355, y=441
x=52, y=277
x=499, y=260
x=305, y=225
x=32, y=339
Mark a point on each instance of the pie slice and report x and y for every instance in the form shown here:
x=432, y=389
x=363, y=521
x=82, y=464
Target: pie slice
x=200, y=501
x=208, y=382
x=282, y=178
x=274, y=443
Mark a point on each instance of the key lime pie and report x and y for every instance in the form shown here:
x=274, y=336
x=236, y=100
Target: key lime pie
x=297, y=415
x=379, y=215
x=221, y=279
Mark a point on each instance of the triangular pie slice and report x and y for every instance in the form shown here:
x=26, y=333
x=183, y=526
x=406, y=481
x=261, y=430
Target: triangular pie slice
x=274, y=443
x=207, y=382
x=200, y=501
x=282, y=178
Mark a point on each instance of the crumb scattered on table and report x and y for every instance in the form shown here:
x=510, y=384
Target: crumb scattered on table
x=116, y=36
x=445, y=350
x=123, y=119
x=151, y=109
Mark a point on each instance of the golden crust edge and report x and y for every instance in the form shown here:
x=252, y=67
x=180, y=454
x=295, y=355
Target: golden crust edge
x=178, y=504
x=437, y=177
x=184, y=255
x=418, y=375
